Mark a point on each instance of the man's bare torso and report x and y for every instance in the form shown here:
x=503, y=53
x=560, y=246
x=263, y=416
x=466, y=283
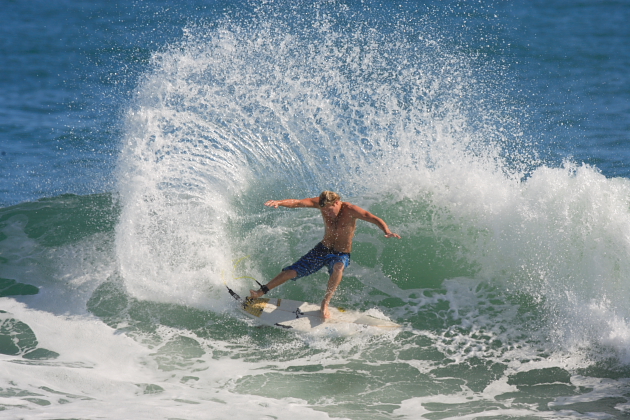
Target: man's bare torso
x=339, y=229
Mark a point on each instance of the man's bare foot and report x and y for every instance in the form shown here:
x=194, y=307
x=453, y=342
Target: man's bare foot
x=325, y=311
x=256, y=293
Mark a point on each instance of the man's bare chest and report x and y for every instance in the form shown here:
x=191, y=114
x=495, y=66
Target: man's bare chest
x=340, y=224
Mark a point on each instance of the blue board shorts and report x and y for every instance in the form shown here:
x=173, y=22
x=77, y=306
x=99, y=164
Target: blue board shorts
x=317, y=258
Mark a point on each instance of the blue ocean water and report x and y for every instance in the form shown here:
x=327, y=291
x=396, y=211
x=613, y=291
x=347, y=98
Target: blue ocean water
x=138, y=141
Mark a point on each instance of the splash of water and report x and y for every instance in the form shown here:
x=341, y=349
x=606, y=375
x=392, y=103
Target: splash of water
x=264, y=106
x=271, y=105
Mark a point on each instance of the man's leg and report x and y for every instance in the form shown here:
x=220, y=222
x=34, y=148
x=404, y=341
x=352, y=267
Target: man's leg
x=333, y=282
x=275, y=282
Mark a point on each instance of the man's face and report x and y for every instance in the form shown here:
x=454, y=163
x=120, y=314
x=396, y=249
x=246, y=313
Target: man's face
x=331, y=210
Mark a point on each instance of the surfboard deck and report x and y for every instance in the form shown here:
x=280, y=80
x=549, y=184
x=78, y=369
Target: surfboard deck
x=307, y=317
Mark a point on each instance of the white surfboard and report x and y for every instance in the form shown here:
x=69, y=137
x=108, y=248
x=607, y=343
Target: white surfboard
x=307, y=317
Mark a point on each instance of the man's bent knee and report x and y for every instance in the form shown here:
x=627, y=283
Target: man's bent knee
x=339, y=266
x=289, y=274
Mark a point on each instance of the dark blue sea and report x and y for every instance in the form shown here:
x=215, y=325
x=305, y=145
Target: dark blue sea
x=139, y=141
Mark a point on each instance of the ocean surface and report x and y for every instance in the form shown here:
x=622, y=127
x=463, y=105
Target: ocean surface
x=140, y=139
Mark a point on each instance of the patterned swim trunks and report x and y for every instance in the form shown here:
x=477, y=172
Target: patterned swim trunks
x=317, y=258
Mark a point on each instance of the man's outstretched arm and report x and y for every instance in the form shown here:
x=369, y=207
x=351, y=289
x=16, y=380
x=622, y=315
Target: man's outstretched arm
x=369, y=217
x=294, y=203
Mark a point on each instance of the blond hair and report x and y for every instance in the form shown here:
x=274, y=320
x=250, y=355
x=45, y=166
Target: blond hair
x=328, y=197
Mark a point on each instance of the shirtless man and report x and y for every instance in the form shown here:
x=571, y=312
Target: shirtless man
x=340, y=222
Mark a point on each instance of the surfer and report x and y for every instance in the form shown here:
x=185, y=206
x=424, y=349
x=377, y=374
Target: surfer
x=340, y=223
